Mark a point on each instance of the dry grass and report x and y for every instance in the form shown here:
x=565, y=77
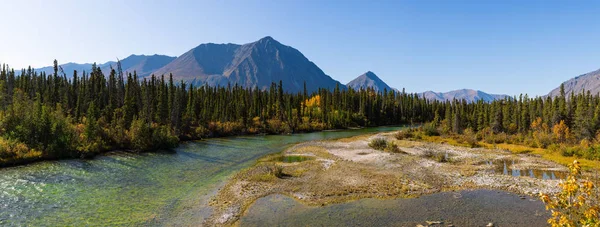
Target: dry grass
x=547, y=154
x=354, y=138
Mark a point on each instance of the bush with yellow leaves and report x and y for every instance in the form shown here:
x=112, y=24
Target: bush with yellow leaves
x=578, y=204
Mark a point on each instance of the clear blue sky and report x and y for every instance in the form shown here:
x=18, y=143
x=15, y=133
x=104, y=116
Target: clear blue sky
x=507, y=47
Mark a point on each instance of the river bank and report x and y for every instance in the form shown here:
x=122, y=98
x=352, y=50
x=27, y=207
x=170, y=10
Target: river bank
x=342, y=170
x=31, y=159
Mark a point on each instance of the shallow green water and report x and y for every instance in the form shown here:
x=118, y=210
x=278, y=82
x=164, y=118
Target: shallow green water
x=294, y=158
x=130, y=189
x=464, y=208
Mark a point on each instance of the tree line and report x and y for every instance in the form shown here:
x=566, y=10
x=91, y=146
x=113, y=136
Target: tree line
x=51, y=116
x=569, y=123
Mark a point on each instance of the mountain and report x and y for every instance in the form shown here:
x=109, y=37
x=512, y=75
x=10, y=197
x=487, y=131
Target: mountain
x=68, y=68
x=369, y=79
x=467, y=94
x=144, y=65
x=255, y=65
x=588, y=82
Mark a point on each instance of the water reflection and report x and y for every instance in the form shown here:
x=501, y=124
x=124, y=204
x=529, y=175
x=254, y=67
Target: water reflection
x=505, y=167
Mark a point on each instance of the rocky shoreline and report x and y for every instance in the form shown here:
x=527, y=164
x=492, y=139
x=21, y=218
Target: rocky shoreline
x=318, y=173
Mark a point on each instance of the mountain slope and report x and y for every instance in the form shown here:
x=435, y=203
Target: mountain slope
x=369, y=79
x=252, y=65
x=467, y=94
x=200, y=63
x=588, y=82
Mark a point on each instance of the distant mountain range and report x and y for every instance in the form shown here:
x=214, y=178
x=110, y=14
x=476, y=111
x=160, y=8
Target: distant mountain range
x=467, y=94
x=256, y=65
x=588, y=82
x=369, y=79
x=144, y=65
x=252, y=65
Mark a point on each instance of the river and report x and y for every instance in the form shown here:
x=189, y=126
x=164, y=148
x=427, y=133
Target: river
x=125, y=189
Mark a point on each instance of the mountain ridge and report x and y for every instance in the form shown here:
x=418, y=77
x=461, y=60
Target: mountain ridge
x=144, y=65
x=470, y=95
x=589, y=82
x=252, y=65
x=256, y=64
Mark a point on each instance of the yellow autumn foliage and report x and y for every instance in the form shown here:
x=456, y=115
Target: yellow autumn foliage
x=315, y=101
x=561, y=131
x=578, y=204
x=12, y=152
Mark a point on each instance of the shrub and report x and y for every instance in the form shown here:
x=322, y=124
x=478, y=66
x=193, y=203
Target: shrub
x=140, y=135
x=591, y=153
x=275, y=126
x=266, y=172
x=275, y=170
x=378, y=144
x=542, y=139
x=500, y=138
x=200, y=132
x=578, y=202
x=469, y=137
x=568, y=151
x=440, y=157
x=437, y=156
x=228, y=128
x=418, y=136
x=404, y=134
x=430, y=130
x=164, y=138
x=393, y=148
x=12, y=152
x=428, y=153
x=554, y=147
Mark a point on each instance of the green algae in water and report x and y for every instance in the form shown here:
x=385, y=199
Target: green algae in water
x=123, y=189
x=294, y=158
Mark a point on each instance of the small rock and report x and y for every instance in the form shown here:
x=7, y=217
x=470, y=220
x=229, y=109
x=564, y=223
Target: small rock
x=490, y=224
x=434, y=222
x=419, y=225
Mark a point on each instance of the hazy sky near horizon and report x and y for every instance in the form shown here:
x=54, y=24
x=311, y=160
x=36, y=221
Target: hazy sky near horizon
x=505, y=47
